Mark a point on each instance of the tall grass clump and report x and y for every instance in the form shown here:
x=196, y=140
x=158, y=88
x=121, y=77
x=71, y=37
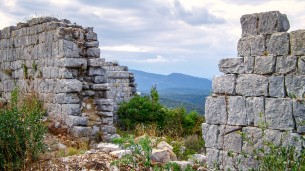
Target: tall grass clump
x=21, y=132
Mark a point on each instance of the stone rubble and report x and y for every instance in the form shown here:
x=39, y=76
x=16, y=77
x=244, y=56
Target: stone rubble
x=264, y=85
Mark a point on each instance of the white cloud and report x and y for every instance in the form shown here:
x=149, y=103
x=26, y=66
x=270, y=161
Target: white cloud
x=157, y=59
x=127, y=48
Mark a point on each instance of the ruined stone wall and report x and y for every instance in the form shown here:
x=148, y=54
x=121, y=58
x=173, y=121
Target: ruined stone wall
x=263, y=87
x=61, y=62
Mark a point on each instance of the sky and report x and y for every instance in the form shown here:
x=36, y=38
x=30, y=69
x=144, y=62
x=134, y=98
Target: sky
x=159, y=36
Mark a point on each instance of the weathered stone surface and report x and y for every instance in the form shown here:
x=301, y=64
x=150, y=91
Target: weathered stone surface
x=212, y=157
x=183, y=164
x=278, y=44
x=120, y=153
x=252, y=85
x=232, y=140
x=108, y=147
x=100, y=79
x=249, y=64
x=258, y=45
x=76, y=121
x=74, y=63
x=276, y=86
x=237, y=110
x=264, y=64
x=253, y=139
x=93, y=71
x=95, y=62
x=93, y=52
x=66, y=98
x=101, y=87
x=299, y=115
x=91, y=36
x=297, y=42
x=215, y=110
x=71, y=109
x=198, y=158
x=210, y=135
x=273, y=136
x=92, y=44
x=295, y=85
x=160, y=156
x=301, y=65
x=231, y=65
x=286, y=64
x=164, y=145
x=104, y=101
x=271, y=22
x=68, y=86
x=224, y=84
x=79, y=131
x=255, y=110
x=249, y=24
x=244, y=46
x=279, y=113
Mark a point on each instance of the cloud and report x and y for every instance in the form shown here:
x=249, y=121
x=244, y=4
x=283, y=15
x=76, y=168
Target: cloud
x=156, y=60
x=127, y=48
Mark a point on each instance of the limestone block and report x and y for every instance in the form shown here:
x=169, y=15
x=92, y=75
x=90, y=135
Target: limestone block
x=210, y=135
x=108, y=147
x=249, y=64
x=252, y=85
x=232, y=138
x=264, y=64
x=68, y=86
x=248, y=162
x=66, y=98
x=91, y=36
x=106, y=108
x=74, y=63
x=292, y=140
x=40, y=20
x=104, y=101
x=253, y=139
x=79, y=131
x=92, y=44
x=117, y=74
x=276, y=86
x=76, y=121
x=278, y=44
x=286, y=64
x=107, y=120
x=101, y=87
x=68, y=49
x=99, y=79
x=258, y=45
x=212, y=157
x=279, y=114
x=93, y=52
x=93, y=71
x=95, y=62
x=215, y=110
x=299, y=115
x=231, y=65
x=273, y=136
x=224, y=84
x=65, y=73
x=249, y=25
x=271, y=22
x=71, y=109
x=297, y=42
x=104, y=114
x=301, y=65
x=237, y=110
x=295, y=85
x=244, y=46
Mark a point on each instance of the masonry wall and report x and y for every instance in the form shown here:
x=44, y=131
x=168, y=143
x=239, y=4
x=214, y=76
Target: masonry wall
x=262, y=88
x=61, y=62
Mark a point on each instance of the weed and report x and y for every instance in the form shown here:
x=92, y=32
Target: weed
x=71, y=151
x=25, y=71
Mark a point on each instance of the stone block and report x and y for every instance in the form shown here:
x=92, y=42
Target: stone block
x=249, y=24
x=93, y=52
x=215, y=110
x=279, y=114
x=107, y=120
x=299, y=115
x=224, y=84
x=258, y=45
x=252, y=85
x=232, y=140
x=68, y=86
x=212, y=157
x=278, y=44
x=96, y=71
x=237, y=110
x=92, y=44
x=295, y=85
x=71, y=109
x=253, y=139
x=101, y=87
x=297, y=42
x=105, y=114
x=118, y=74
x=276, y=86
x=210, y=135
x=301, y=65
x=273, y=136
x=66, y=98
x=286, y=64
x=68, y=49
x=264, y=64
x=104, y=101
x=74, y=63
x=76, y=121
x=249, y=64
x=91, y=36
x=271, y=22
x=79, y=131
x=244, y=46
x=106, y=108
x=96, y=62
x=100, y=79
x=231, y=65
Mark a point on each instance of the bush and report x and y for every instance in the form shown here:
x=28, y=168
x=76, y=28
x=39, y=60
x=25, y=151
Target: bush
x=21, y=132
x=147, y=111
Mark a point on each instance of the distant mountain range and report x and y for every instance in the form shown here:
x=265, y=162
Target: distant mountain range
x=175, y=89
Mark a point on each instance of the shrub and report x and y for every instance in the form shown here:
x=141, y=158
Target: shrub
x=22, y=131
